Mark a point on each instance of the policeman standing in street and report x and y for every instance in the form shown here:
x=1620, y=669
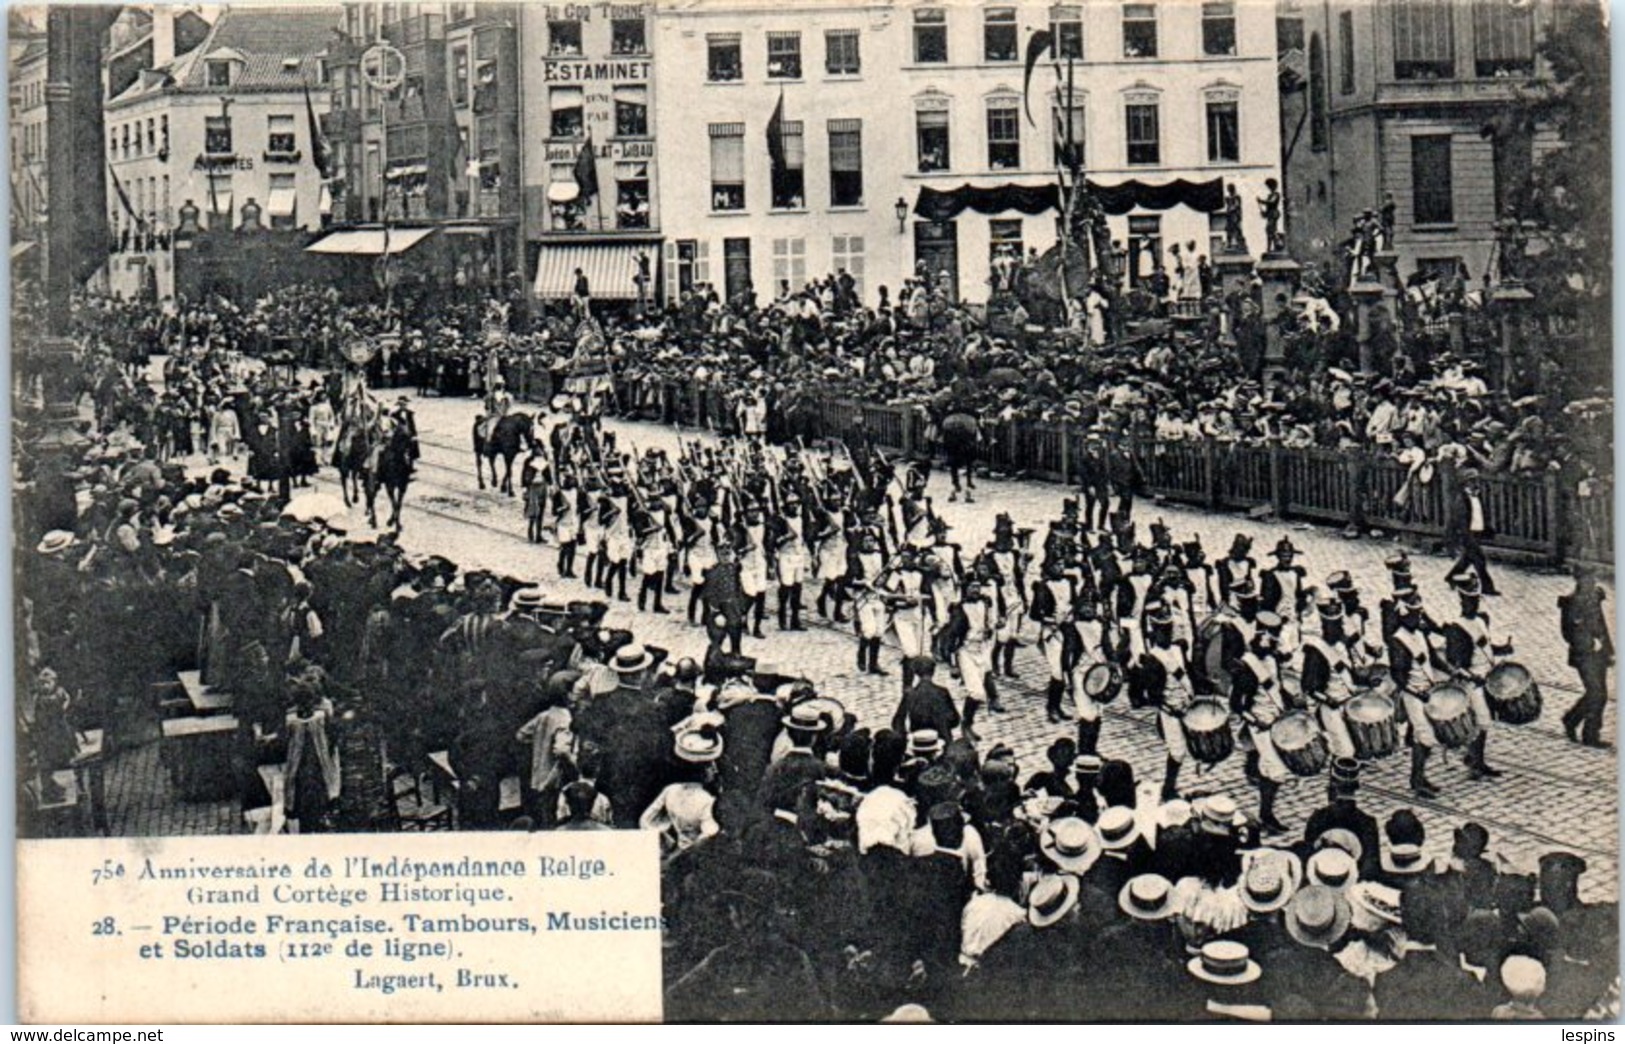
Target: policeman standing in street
x=1591, y=653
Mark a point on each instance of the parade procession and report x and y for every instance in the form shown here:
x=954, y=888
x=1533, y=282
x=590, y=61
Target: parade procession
x=1195, y=604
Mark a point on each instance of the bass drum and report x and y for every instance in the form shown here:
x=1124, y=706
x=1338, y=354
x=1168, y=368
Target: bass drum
x=1207, y=731
x=1512, y=694
x=1208, y=658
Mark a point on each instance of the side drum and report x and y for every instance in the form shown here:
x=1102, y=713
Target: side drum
x=1373, y=726
x=1300, y=744
x=1512, y=694
x=1450, y=711
x=1103, y=682
x=1207, y=731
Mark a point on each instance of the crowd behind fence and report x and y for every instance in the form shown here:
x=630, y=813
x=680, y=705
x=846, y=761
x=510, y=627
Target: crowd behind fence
x=1535, y=517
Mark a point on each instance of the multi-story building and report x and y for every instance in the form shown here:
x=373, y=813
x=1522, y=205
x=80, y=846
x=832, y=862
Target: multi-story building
x=588, y=75
x=441, y=151
x=27, y=126
x=885, y=101
x=1409, y=99
x=220, y=130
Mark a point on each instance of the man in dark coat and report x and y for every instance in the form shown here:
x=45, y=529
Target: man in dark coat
x=800, y=766
x=1342, y=812
x=723, y=596
x=1591, y=653
x=1469, y=527
x=927, y=705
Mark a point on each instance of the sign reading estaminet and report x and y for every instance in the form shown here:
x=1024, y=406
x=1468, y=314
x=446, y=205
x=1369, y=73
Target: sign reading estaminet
x=548, y=927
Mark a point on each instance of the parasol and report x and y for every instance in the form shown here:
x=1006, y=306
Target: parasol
x=309, y=506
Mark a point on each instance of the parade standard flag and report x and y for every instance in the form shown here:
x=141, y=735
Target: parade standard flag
x=1038, y=45
x=775, y=139
x=319, y=150
x=586, y=171
x=124, y=199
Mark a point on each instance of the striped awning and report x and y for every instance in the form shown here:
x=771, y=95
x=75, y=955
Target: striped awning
x=609, y=268
x=370, y=242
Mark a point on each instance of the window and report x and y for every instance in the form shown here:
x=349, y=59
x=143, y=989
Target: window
x=1217, y=235
x=218, y=73
x=628, y=36
x=124, y=134
x=789, y=265
x=1004, y=239
x=220, y=201
x=1345, y=53
x=490, y=158
x=931, y=35
x=459, y=76
x=784, y=56
x=932, y=132
x=135, y=138
x=216, y=135
x=736, y=277
x=1424, y=40
x=723, y=64
x=690, y=266
x=1069, y=120
x=845, y=163
x=1144, y=133
x=1066, y=29
x=1317, y=93
x=152, y=136
x=1139, y=30
x=1430, y=180
x=279, y=135
x=282, y=205
x=727, y=166
x=846, y=255
x=1223, y=132
x=1144, y=248
x=565, y=105
x=632, y=195
x=566, y=216
x=1503, y=39
x=1219, y=28
x=163, y=131
x=563, y=38
x=841, y=52
x=790, y=180
x=999, y=35
x=1003, y=135
x=631, y=111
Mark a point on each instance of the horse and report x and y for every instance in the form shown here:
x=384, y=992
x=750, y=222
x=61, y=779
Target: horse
x=350, y=454
x=511, y=433
x=961, y=437
x=389, y=466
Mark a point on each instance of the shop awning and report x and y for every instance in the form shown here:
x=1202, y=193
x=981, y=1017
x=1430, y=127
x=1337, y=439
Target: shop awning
x=19, y=249
x=281, y=203
x=370, y=242
x=609, y=268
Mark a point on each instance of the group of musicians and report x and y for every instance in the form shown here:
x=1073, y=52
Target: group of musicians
x=1224, y=650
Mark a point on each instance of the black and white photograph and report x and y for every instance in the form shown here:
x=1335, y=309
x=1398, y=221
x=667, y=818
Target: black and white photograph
x=1083, y=512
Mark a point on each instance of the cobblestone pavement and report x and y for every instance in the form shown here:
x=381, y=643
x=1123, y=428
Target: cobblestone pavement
x=1554, y=794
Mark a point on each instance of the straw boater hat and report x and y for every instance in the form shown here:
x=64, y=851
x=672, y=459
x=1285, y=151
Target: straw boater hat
x=56, y=540
x=1070, y=844
x=924, y=743
x=1333, y=868
x=1117, y=828
x=1374, y=906
x=1271, y=877
x=1403, y=855
x=1317, y=916
x=631, y=658
x=698, y=746
x=1225, y=962
x=1051, y=899
x=804, y=718
x=527, y=599
x=1147, y=897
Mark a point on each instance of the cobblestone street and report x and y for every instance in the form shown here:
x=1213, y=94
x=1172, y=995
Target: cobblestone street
x=1554, y=794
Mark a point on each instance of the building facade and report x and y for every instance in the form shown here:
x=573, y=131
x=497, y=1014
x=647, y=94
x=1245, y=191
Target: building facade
x=1409, y=99
x=442, y=150
x=888, y=101
x=588, y=79
x=28, y=156
x=221, y=130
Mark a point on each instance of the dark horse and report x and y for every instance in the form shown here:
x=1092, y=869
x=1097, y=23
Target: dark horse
x=389, y=466
x=510, y=434
x=350, y=453
x=961, y=436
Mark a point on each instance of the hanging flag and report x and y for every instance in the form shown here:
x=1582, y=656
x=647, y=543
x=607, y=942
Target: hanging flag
x=1038, y=45
x=775, y=139
x=586, y=170
x=124, y=198
x=456, y=148
x=320, y=152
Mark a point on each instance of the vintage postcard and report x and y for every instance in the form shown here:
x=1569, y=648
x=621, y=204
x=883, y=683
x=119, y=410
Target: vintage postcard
x=907, y=510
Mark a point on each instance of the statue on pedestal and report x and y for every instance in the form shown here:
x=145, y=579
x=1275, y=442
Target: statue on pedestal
x=1510, y=245
x=1269, y=205
x=1386, y=220
x=1234, y=242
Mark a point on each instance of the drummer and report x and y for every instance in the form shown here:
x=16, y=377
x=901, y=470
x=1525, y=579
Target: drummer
x=1325, y=664
x=1415, y=670
x=1399, y=574
x=1199, y=579
x=1092, y=651
x=1052, y=608
x=1282, y=591
x=1237, y=566
x=1472, y=653
x=1165, y=675
x=1256, y=695
x=906, y=596
x=1364, y=649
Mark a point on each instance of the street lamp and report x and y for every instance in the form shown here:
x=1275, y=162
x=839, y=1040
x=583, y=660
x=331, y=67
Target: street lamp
x=900, y=208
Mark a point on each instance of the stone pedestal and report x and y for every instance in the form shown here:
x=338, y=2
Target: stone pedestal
x=55, y=444
x=1387, y=265
x=1511, y=299
x=1279, y=274
x=1232, y=271
x=1368, y=294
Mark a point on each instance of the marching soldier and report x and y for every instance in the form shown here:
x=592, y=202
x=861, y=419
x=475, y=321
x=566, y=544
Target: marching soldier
x=1326, y=675
x=830, y=561
x=616, y=515
x=906, y=596
x=1164, y=670
x=1257, y=696
x=567, y=523
x=1236, y=566
x=1414, y=670
x=1472, y=653
x=1053, y=604
x=865, y=572
x=654, y=548
x=790, y=559
x=1282, y=591
x=699, y=550
x=968, y=637
x=751, y=538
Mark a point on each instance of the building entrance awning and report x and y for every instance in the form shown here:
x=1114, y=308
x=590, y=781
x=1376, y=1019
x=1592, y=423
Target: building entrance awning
x=370, y=242
x=19, y=249
x=610, y=268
